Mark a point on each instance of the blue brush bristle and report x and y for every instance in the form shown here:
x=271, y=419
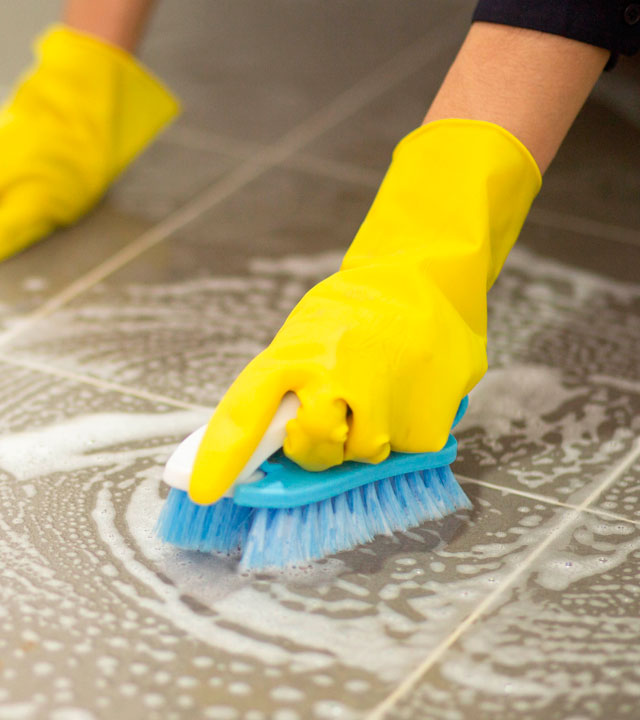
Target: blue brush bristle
x=222, y=527
x=277, y=538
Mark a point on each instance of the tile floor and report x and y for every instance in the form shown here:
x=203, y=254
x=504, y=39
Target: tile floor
x=118, y=335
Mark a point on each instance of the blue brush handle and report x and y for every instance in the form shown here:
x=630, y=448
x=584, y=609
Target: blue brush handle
x=287, y=485
x=462, y=409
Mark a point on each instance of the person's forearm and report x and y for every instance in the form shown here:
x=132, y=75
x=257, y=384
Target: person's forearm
x=531, y=83
x=119, y=22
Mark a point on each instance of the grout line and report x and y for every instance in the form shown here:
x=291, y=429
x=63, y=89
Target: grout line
x=337, y=170
x=220, y=190
x=205, y=140
x=350, y=172
x=514, y=491
x=537, y=216
x=102, y=384
x=346, y=104
x=410, y=681
x=610, y=516
x=548, y=500
x=583, y=226
x=197, y=139
x=143, y=394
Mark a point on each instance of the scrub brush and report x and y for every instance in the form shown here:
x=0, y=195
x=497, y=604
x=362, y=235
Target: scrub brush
x=278, y=515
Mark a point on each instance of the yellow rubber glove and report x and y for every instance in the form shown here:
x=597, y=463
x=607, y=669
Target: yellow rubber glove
x=381, y=353
x=72, y=124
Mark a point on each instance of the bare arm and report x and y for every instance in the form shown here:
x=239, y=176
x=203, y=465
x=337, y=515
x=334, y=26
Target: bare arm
x=119, y=22
x=531, y=83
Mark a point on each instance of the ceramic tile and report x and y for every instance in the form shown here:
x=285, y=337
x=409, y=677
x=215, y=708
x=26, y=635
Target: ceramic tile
x=97, y=616
x=535, y=429
x=602, y=184
x=21, y=23
x=184, y=318
x=541, y=312
x=559, y=406
x=550, y=314
x=253, y=71
x=367, y=139
x=562, y=644
x=167, y=176
x=98, y=620
x=29, y=279
x=594, y=248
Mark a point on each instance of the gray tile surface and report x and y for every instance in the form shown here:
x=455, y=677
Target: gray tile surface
x=623, y=497
x=31, y=278
x=541, y=313
x=367, y=139
x=607, y=250
x=157, y=184
x=601, y=184
x=21, y=23
x=562, y=644
x=560, y=404
x=184, y=318
x=97, y=620
x=252, y=71
x=535, y=430
x=559, y=407
x=97, y=615
x=550, y=314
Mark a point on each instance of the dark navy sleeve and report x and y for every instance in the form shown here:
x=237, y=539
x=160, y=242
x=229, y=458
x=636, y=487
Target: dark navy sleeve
x=609, y=24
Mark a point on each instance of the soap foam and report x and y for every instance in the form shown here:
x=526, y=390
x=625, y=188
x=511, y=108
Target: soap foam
x=327, y=619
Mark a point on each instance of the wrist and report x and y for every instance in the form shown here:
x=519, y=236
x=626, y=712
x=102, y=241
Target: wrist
x=531, y=83
x=118, y=22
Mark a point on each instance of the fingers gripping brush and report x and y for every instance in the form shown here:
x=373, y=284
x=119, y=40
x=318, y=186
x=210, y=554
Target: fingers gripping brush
x=276, y=514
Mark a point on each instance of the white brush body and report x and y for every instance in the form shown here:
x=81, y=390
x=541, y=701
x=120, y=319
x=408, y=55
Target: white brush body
x=179, y=467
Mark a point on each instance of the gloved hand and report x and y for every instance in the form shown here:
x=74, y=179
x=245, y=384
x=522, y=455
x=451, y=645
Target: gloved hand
x=72, y=124
x=381, y=353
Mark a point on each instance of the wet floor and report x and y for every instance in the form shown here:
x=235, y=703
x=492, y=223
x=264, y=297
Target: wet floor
x=119, y=335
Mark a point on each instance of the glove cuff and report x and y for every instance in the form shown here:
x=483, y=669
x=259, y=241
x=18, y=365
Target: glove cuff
x=491, y=173
x=451, y=207
x=134, y=105
x=473, y=127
